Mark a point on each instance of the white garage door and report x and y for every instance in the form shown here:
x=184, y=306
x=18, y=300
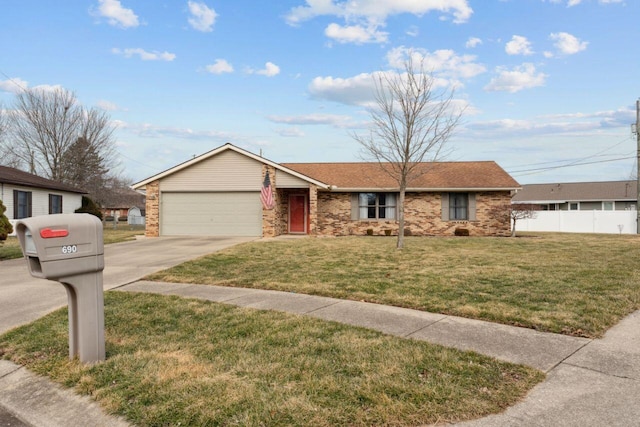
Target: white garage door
x=211, y=214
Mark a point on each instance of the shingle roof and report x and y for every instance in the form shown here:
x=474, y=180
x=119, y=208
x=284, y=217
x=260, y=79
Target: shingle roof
x=441, y=175
x=17, y=177
x=578, y=191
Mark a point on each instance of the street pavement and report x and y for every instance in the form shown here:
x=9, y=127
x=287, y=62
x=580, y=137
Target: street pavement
x=589, y=382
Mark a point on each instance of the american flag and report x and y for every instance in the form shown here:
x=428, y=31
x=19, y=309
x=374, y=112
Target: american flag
x=266, y=194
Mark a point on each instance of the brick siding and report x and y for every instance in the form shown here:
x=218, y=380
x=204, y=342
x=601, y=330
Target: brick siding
x=152, y=216
x=423, y=216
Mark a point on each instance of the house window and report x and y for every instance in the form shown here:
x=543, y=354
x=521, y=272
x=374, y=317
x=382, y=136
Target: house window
x=55, y=204
x=573, y=206
x=21, y=204
x=607, y=206
x=377, y=206
x=458, y=206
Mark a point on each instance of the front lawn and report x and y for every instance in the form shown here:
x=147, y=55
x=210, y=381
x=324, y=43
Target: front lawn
x=566, y=283
x=10, y=249
x=175, y=361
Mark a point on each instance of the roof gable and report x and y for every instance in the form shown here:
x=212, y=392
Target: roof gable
x=437, y=176
x=217, y=151
x=17, y=177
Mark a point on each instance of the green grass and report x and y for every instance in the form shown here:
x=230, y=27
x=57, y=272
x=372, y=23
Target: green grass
x=566, y=283
x=10, y=249
x=122, y=233
x=175, y=361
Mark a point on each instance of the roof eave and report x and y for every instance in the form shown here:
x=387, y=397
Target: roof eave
x=41, y=186
x=419, y=189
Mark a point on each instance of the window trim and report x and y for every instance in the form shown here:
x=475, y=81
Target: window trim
x=356, y=206
x=471, y=206
x=16, y=204
x=461, y=209
x=51, y=197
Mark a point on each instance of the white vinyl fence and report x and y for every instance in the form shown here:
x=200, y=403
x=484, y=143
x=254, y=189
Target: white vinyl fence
x=612, y=222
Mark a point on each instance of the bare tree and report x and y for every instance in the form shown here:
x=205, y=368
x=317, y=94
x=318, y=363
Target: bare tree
x=411, y=123
x=512, y=213
x=56, y=137
x=7, y=155
x=521, y=211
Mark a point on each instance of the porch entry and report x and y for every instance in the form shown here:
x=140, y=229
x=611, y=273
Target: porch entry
x=297, y=213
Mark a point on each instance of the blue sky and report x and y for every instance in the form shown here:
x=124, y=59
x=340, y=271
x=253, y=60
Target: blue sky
x=549, y=85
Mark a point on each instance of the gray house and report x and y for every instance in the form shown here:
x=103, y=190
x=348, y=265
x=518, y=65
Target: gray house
x=580, y=196
x=26, y=195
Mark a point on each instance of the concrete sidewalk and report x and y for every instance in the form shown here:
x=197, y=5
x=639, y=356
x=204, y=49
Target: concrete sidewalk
x=590, y=382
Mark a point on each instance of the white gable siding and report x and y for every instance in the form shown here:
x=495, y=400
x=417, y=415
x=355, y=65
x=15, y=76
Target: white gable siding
x=227, y=171
x=285, y=180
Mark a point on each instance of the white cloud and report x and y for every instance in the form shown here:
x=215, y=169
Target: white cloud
x=270, y=69
x=473, y=42
x=357, y=90
x=557, y=124
x=568, y=44
x=107, y=105
x=219, y=67
x=355, y=34
x=202, y=17
x=413, y=31
x=517, y=79
x=378, y=10
x=48, y=88
x=290, y=132
x=518, y=45
x=144, y=55
x=116, y=14
x=312, y=119
x=148, y=130
x=571, y=3
x=363, y=17
x=446, y=66
x=445, y=62
x=13, y=85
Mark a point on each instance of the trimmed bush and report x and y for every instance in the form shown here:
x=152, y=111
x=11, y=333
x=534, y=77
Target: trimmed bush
x=90, y=207
x=461, y=232
x=5, y=226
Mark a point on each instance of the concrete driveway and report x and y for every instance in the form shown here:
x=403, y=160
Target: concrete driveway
x=24, y=298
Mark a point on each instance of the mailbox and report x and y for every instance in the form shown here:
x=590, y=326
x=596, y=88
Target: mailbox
x=69, y=248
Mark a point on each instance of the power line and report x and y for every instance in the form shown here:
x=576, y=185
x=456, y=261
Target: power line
x=576, y=160
x=539, y=170
x=13, y=81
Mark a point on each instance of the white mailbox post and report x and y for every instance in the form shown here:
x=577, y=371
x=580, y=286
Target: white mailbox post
x=69, y=248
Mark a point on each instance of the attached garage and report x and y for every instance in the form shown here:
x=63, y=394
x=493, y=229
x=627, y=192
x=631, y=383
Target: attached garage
x=211, y=214
x=221, y=193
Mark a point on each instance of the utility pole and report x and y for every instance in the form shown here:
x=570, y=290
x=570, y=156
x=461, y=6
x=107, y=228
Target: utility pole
x=637, y=131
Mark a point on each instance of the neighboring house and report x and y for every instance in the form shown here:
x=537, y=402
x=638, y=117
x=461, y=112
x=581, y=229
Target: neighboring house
x=581, y=207
x=120, y=205
x=581, y=196
x=225, y=193
x=26, y=195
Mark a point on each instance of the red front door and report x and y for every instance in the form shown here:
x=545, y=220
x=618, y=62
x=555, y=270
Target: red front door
x=297, y=213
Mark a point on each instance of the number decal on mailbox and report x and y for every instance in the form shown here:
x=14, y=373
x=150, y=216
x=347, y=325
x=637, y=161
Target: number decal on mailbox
x=69, y=249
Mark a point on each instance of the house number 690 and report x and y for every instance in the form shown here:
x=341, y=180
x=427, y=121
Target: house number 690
x=69, y=249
